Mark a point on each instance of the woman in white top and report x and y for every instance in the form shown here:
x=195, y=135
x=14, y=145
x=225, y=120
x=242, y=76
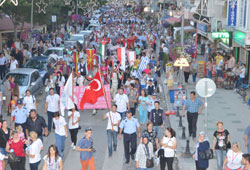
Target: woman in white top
x=144, y=152
x=33, y=151
x=60, y=80
x=233, y=158
x=52, y=160
x=74, y=119
x=168, y=143
x=61, y=132
x=49, y=83
x=29, y=101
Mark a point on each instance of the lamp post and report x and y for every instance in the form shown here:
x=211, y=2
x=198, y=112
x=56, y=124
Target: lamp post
x=31, y=22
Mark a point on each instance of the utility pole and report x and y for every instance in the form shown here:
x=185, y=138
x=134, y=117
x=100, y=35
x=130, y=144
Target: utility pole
x=77, y=7
x=31, y=22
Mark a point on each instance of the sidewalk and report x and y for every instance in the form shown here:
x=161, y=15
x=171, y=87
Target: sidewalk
x=226, y=106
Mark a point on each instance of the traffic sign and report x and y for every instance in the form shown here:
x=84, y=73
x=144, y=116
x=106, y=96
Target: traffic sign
x=205, y=87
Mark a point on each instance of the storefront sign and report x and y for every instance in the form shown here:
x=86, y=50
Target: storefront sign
x=232, y=13
x=202, y=27
x=240, y=37
x=216, y=35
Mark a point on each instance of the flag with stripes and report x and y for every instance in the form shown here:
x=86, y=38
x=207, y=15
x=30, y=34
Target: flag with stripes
x=143, y=66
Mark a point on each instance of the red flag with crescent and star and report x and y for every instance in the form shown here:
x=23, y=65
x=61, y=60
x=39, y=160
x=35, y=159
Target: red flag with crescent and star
x=90, y=58
x=92, y=91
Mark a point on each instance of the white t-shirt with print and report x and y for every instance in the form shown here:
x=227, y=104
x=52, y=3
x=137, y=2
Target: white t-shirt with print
x=76, y=116
x=121, y=102
x=29, y=102
x=115, y=117
x=53, y=103
x=234, y=159
x=59, y=125
x=35, y=149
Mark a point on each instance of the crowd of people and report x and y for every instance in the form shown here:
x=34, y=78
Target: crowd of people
x=136, y=110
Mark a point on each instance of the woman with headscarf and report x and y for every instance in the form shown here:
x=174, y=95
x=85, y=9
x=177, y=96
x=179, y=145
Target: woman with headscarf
x=144, y=152
x=201, y=146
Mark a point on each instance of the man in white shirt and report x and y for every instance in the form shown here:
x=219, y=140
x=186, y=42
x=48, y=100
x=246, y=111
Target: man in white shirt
x=61, y=132
x=13, y=63
x=114, y=120
x=51, y=106
x=122, y=102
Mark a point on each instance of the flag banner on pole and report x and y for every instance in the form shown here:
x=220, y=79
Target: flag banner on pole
x=66, y=95
x=143, y=66
x=102, y=51
x=121, y=56
x=90, y=58
x=131, y=57
x=100, y=103
x=76, y=58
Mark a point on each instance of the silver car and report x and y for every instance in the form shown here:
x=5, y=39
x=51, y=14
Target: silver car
x=27, y=79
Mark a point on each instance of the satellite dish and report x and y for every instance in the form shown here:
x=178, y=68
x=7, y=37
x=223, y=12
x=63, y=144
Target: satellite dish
x=205, y=87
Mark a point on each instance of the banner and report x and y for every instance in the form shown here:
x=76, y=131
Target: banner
x=102, y=51
x=101, y=102
x=121, y=56
x=90, y=58
x=76, y=58
x=131, y=56
x=232, y=13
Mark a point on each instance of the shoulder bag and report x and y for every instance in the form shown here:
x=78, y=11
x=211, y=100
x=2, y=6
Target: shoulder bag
x=12, y=158
x=149, y=161
x=207, y=154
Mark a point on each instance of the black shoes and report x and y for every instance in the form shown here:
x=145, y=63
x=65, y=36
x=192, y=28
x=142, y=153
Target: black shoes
x=133, y=157
x=127, y=161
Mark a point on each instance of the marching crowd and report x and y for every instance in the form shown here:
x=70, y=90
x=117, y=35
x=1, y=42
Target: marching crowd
x=135, y=94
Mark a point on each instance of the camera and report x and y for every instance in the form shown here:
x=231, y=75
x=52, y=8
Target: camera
x=93, y=150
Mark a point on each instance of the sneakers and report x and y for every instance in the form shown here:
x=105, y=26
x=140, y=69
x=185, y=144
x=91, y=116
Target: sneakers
x=74, y=147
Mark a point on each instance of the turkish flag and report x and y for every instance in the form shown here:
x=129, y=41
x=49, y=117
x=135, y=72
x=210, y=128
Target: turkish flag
x=92, y=91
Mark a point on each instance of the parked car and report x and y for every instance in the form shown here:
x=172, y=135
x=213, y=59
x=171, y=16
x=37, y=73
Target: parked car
x=93, y=27
x=27, y=78
x=40, y=63
x=74, y=39
x=86, y=32
x=55, y=52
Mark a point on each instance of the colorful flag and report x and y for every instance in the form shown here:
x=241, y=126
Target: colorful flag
x=102, y=51
x=67, y=96
x=121, y=57
x=143, y=66
x=131, y=57
x=90, y=58
x=76, y=58
x=92, y=91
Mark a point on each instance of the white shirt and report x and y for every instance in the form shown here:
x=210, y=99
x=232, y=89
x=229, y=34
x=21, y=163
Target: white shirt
x=29, y=102
x=61, y=82
x=243, y=72
x=121, y=102
x=234, y=159
x=115, y=117
x=53, y=103
x=13, y=64
x=59, y=125
x=76, y=116
x=168, y=152
x=35, y=149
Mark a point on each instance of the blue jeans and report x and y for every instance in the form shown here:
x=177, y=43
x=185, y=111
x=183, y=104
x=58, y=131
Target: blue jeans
x=157, y=129
x=220, y=156
x=112, y=139
x=60, y=142
x=123, y=114
x=50, y=117
x=209, y=74
x=194, y=77
x=239, y=82
x=3, y=151
x=34, y=166
x=248, y=148
x=219, y=73
x=144, y=169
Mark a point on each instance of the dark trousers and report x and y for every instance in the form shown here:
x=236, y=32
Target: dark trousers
x=169, y=162
x=197, y=166
x=192, y=122
x=73, y=135
x=133, y=111
x=129, y=140
x=18, y=165
x=50, y=117
x=186, y=76
x=34, y=166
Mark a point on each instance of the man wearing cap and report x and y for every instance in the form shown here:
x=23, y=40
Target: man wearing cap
x=129, y=126
x=157, y=118
x=21, y=114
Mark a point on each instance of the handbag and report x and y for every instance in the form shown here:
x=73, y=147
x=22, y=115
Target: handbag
x=229, y=145
x=207, y=154
x=46, y=89
x=149, y=161
x=160, y=153
x=12, y=158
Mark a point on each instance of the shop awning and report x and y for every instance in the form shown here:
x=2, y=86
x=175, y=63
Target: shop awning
x=173, y=20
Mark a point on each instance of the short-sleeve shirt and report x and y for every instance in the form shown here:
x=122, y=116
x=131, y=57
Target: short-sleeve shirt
x=20, y=115
x=121, y=102
x=35, y=149
x=59, y=125
x=36, y=125
x=29, y=102
x=193, y=107
x=129, y=125
x=247, y=132
x=53, y=103
x=221, y=139
x=76, y=116
x=13, y=64
x=115, y=117
x=84, y=143
x=52, y=164
x=234, y=159
x=17, y=146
